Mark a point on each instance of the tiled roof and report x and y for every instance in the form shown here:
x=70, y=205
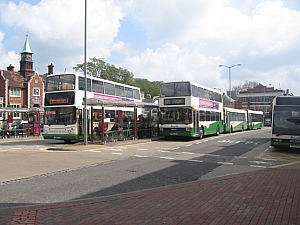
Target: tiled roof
x=15, y=79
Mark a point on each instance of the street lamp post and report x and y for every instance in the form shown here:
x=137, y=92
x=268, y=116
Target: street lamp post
x=229, y=68
x=85, y=116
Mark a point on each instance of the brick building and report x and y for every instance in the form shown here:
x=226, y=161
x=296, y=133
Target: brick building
x=23, y=88
x=259, y=98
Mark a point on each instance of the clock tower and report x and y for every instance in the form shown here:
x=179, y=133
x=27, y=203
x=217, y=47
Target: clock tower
x=26, y=63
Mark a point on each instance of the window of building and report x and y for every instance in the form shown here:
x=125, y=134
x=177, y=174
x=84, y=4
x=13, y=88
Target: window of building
x=36, y=92
x=244, y=99
x=16, y=115
x=253, y=99
x=15, y=92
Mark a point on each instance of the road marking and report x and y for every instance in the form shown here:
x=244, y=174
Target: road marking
x=241, y=157
x=258, y=162
x=116, y=149
x=117, y=153
x=191, y=153
x=194, y=160
x=269, y=159
x=142, y=149
x=225, y=163
x=163, y=151
x=258, y=166
x=212, y=155
x=166, y=158
x=141, y=156
x=188, y=145
x=95, y=151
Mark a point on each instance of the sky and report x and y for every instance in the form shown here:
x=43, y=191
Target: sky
x=161, y=40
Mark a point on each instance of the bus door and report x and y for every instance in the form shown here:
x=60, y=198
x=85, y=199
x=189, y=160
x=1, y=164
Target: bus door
x=196, y=121
x=80, y=121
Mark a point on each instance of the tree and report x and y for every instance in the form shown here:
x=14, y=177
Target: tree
x=148, y=87
x=242, y=87
x=98, y=68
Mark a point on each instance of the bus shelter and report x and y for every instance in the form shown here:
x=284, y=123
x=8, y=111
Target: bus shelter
x=136, y=127
x=20, y=121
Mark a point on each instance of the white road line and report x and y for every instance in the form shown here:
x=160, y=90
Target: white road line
x=259, y=162
x=225, y=163
x=212, y=155
x=142, y=149
x=191, y=153
x=174, y=148
x=198, y=143
x=15, y=148
x=241, y=157
x=95, y=151
x=117, y=149
x=166, y=158
x=117, y=153
x=258, y=166
x=163, y=151
x=141, y=156
x=188, y=145
x=194, y=160
x=269, y=159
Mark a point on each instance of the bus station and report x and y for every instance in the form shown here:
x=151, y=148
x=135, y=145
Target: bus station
x=29, y=122
x=123, y=127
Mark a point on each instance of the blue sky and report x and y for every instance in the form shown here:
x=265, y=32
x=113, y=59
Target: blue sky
x=161, y=40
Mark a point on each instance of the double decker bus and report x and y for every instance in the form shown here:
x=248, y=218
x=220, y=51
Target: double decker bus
x=187, y=109
x=64, y=104
x=286, y=122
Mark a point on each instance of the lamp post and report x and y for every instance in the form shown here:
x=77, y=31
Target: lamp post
x=229, y=68
x=85, y=116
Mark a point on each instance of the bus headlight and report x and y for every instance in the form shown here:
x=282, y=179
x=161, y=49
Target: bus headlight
x=161, y=129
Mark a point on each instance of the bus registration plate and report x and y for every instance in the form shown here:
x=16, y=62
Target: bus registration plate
x=174, y=133
x=294, y=146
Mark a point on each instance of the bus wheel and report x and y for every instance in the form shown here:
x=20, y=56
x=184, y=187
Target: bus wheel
x=242, y=128
x=218, y=131
x=201, y=133
x=68, y=141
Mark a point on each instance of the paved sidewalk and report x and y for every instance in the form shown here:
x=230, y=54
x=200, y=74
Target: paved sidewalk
x=270, y=196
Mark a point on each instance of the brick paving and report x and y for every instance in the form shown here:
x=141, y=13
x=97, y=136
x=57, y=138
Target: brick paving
x=270, y=196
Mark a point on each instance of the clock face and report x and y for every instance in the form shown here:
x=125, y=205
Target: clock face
x=26, y=57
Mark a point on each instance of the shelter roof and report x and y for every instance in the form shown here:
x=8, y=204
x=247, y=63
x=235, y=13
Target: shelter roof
x=106, y=102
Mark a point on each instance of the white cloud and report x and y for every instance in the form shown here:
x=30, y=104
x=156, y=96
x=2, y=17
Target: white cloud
x=58, y=26
x=170, y=63
x=10, y=58
x=186, y=39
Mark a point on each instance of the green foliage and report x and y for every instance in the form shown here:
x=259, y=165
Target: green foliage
x=98, y=68
x=148, y=87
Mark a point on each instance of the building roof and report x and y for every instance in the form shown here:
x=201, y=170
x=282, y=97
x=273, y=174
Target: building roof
x=15, y=79
x=26, y=48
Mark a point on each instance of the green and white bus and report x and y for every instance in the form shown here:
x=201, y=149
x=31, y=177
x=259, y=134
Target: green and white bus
x=286, y=122
x=64, y=104
x=235, y=119
x=187, y=109
x=255, y=119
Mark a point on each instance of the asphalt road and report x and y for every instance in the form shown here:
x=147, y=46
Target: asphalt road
x=31, y=174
